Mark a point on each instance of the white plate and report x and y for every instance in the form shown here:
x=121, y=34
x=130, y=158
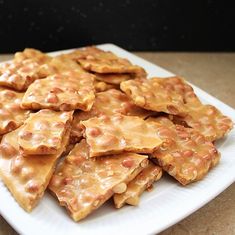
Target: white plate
x=167, y=204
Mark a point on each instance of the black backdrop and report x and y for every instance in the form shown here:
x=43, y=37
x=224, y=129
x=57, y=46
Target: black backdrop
x=157, y=25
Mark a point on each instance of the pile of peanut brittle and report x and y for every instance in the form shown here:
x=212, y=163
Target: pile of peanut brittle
x=112, y=130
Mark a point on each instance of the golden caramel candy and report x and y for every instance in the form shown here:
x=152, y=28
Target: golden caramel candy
x=207, y=120
x=103, y=86
x=182, y=88
x=23, y=70
x=11, y=114
x=152, y=95
x=114, y=134
x=65, y=92
x=136, y=187
x=33, y=54
x=99, y=61
x=26, y=178
x=112, y=78
x=59, y=64
x=82, y=185
x=106, y=103
x=19, y=76
x=185, y=154
x=42, y=133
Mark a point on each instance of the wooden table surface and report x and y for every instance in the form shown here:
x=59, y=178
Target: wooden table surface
x=214, y=73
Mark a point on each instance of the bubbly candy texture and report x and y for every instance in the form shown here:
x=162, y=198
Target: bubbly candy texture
x=208, y=120
x=82, y=184
x=65, y=92
x=118, y=133
x=33, y=54
x=99, y=61
x=112, y=78
x=103, y=86
x=26, y=178
x=136, y=187
x=152, y=95
x=106, y=103
x=185, y=153
x=23, y=70
x=59, y=65
x=11, y=114
x=42, y=133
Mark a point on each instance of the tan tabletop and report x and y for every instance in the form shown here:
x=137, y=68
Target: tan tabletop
x=214, y=73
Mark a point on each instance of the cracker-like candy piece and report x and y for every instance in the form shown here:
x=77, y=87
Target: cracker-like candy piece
x=103, y=86
x=19, y=75
x=185, y=153
x=138, y=185
x=118, y=133
x=99, y=61
x=207, y=120
x=26, y=178
x=112, y=78
x=106, y=103
x=82, y=184
x=33, y=54
x=11, y=114
x=42, y=133
x=182, y=88
x=23, y=70
x=63, y=92
x=152, y=94
x=59, y=64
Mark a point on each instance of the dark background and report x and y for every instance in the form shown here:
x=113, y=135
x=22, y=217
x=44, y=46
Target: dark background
x=153, y=25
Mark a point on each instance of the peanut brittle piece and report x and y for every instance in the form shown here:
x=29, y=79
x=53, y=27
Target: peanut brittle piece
x=152, y=95
x=185, y=154
x=26, y=178
x=138, y=185
x=19, y=76
x=42, y=133
x=99, y=61
x=59, y=64
x=112, y=78
x=23, y=70
x=182, y=88
x=118, y=133
x=11, y=114
x=65, y=92
x=82, y=184
x=207, y=120
x=103, y=86
x=33, y=54
x=106, y=103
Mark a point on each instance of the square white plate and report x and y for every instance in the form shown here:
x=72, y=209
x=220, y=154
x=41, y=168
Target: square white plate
x=164, y=206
